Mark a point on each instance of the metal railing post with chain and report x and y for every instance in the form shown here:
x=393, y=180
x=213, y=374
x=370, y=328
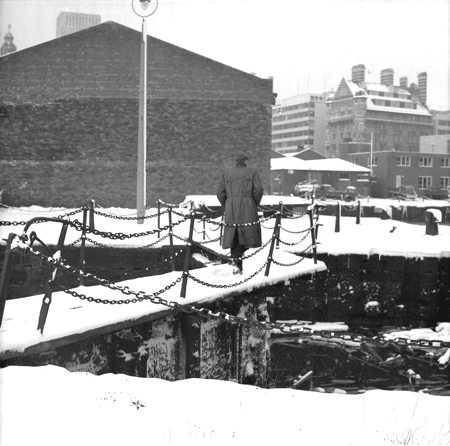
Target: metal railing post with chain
x=159, y=218
x=221, y=229
x=83, y=245
x=91, y=215
x=337, y=224
x=280, y=210
x=172, y=257
x=275, y=236
x=358, y=212
x=6, y=270
x=313, y=232
x=187, y=258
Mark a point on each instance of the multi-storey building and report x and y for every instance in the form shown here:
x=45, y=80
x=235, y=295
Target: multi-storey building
x=392, y=117
x=298, y=122
x=70, y=22
x=441, y=122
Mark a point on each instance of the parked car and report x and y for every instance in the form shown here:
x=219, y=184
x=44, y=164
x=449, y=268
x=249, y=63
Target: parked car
x=324, y=191
x=403, y=193
x=306, y=188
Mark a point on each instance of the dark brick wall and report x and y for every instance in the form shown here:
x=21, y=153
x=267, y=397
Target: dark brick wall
x=69, y=115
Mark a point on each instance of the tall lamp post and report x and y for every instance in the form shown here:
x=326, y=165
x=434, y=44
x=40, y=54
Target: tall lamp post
x=144, y=9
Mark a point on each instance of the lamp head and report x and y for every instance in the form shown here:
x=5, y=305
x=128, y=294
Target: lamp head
x=144, y=3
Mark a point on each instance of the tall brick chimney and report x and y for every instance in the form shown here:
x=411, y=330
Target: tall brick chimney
x=404, y=82
x=422, y=86
x=387, y=76
x=358, y=73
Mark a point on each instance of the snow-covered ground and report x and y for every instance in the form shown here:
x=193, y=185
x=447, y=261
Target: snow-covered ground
x=58, y=407
x=49, y=406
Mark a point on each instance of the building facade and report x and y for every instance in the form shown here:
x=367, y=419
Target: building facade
x=298, y=122
x=69, y=112
x=441, y=122
x=392, y=117
x=70, y=22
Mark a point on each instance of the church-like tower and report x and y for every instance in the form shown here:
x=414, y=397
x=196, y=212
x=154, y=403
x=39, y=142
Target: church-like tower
x=8, y=45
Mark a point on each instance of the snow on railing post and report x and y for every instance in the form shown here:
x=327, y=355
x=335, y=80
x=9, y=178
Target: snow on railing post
x=6, y=270
x=91, y=215
x=358, y=212
x=187, y=258
x=280, y=210
x=313, y=233
x=159, y=218
x=83, y=245
x=47, y=300
x=337, y=225
x=275, y=235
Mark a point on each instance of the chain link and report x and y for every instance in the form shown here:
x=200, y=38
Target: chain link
x=120, y=217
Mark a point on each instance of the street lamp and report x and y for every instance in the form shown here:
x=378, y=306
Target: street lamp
x=144, y=9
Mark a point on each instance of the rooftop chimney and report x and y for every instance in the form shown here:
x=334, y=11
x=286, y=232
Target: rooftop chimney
x=358, y=73
x=422, y=85
x=387, y=76
x=404, y=82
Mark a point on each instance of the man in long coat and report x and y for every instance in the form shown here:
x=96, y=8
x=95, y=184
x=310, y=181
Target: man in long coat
x=240, y=192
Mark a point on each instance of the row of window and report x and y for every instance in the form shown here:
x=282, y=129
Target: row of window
x=286, y=108
x=444, y=122
x=405, y=161
x=410, y=105
x=388, y=94
x=294, y=134
x=426, y=182
x=285, y=117
x=293, y=125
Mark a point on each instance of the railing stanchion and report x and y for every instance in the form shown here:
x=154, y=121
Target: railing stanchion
x=280, y=209
x=221, y=230
x=275, y=235
x=83, y=245
x=6, y=270
x=187, y=258
x=337, y=225
x=172, y=258
x=358, y=212
x=91, y=215
x=204, y=226
x=159, y=218
x=313, y=234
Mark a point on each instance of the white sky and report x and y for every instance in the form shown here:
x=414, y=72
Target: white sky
x=306, y=45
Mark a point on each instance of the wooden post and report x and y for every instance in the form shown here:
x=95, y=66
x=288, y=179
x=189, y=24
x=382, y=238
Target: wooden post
x=187, y=258
x=275, y=234
x=6, y=270
x=337, y=226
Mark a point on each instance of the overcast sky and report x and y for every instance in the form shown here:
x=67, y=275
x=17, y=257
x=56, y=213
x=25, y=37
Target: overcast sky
x=306, y=45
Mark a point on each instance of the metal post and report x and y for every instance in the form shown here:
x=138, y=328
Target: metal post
x=275, y=234
x=221, y=230
x=187, y=258
x=91, y=215
x=313, y=235
x=159, y=218
x=280, y=209
x=358, y=212
x=83, y=245
x=317, y=221
x=204, y=226
x=6, y=270
x=172, y=259
x=337, y=226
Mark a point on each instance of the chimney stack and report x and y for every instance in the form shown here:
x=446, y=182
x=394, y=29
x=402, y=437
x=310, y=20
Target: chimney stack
x=404, y=82
x=422, y=86
x=387, y=76
x=358, y=73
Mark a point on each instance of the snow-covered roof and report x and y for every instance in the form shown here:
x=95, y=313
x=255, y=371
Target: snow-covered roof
x=420, y=110
x=319, y=165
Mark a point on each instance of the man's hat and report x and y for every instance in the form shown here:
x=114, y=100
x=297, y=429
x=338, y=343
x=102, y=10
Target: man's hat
x=241, y=156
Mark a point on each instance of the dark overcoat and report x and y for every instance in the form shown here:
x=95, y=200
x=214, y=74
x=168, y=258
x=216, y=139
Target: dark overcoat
x=240, y=192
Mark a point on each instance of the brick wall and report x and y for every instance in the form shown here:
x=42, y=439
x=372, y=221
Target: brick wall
x=69, y=115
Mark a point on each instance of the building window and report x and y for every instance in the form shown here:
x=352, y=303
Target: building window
x=404, y=161
x=374, y=161
x=425, y=182
x=425, y=161
x=445, y=162
x=344, y=176
x=354, y=159
x=445, y=183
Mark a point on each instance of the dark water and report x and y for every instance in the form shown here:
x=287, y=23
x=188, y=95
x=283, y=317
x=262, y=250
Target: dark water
x=354, y=370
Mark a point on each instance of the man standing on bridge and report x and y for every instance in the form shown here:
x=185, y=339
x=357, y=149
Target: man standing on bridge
x=240, y=192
